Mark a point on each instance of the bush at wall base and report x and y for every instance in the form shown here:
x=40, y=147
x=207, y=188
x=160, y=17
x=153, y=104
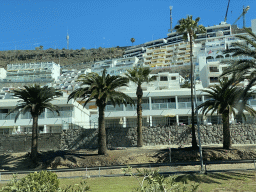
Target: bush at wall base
x=40, y=181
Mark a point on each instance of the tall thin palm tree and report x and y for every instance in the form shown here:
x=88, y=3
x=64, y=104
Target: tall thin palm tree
x=225, y=100
x=35, y=99
x=132, y=40
x=243, y=68
x=102, y=89
x=139, y=75
x=189, y=28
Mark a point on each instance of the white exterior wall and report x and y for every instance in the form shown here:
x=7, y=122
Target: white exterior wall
x=55, y=71
x=79, y=115
x=2, y=73
x=253, y=22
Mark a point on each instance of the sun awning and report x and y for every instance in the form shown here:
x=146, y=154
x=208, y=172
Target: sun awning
x=170, y=115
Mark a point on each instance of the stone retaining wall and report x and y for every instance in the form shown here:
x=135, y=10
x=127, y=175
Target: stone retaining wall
x=127, y=137
x=22, y=143
x=173, y=135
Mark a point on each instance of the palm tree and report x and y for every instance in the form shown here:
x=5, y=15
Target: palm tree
x=190, y=27
x=102, y=89
x=139, y=75
x=243, y=68
x=132, y=40
x=225, y=100
x=35, y=99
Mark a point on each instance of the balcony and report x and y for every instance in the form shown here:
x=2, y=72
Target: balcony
x=184, y=105
x=187, y=105
x=214, y=69
x=9, y=117
x=145, y=106
x=112, y=108
x=159, y=106
x=252, y=102
x=62, y=114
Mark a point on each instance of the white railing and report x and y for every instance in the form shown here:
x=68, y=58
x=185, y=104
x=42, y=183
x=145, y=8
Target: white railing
x=9, y=117
x=157, y=106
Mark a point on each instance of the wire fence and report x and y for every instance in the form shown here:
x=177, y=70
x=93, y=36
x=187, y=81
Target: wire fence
x=164, y=168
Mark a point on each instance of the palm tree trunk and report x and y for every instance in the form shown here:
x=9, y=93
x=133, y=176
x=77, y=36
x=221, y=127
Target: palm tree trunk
x=102, y=141
x=194, y=143
x=139, y=94
x=226, y=130
x=34, y=144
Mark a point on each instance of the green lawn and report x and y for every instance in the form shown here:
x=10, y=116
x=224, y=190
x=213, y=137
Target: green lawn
x=230, y=181
x=212, y=182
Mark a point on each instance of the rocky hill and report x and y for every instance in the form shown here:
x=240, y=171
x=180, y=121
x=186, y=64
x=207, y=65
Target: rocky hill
x=79, y=58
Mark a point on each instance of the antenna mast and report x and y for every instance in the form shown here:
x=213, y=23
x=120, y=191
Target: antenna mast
x=170, y=30
x=67, y=40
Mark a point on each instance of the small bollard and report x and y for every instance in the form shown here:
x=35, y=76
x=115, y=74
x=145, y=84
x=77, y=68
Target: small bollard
x=170, y=154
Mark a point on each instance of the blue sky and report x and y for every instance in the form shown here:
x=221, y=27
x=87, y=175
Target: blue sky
x=26, y=24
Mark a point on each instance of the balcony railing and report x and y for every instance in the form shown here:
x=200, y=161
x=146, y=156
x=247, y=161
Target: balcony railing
x=42, y=116
x=252, y=102
x=145, y=106
x=62, y=114
x=112, y=108
x=9, y=117
x=157, y=106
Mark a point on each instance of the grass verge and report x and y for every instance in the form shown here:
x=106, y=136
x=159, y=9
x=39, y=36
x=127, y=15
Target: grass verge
x=217, y=182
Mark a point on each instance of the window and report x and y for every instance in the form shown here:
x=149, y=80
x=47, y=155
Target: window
x=188, y=99
x=225, y=78
x=154, y=78
x=173, y=78
x=214, y=79
x=214, y=69
x=224, y=68
x=163, y=78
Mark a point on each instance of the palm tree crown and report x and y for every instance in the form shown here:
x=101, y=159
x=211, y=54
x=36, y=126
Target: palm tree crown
x=139, y=75
x=132, y=40
x=189, y=26
x=225, y=100
x=102, y=89
x=35, y=99
x=245, y=67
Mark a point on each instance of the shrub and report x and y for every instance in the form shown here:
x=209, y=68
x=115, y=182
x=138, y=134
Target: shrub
x=41, y=181
x=156, y=182
x=37, y=181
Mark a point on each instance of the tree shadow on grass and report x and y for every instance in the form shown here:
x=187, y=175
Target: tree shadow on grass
x=214, y=177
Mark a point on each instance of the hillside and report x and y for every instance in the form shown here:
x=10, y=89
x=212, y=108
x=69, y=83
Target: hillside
x=78, y=58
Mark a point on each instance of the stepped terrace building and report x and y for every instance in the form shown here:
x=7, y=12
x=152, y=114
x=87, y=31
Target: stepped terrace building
x=45, y=72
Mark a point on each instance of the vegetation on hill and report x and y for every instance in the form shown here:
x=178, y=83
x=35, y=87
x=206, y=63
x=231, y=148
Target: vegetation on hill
x=78, y=58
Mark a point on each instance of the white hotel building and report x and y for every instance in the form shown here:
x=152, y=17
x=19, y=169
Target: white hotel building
x=71, y=114
x=164, y=101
